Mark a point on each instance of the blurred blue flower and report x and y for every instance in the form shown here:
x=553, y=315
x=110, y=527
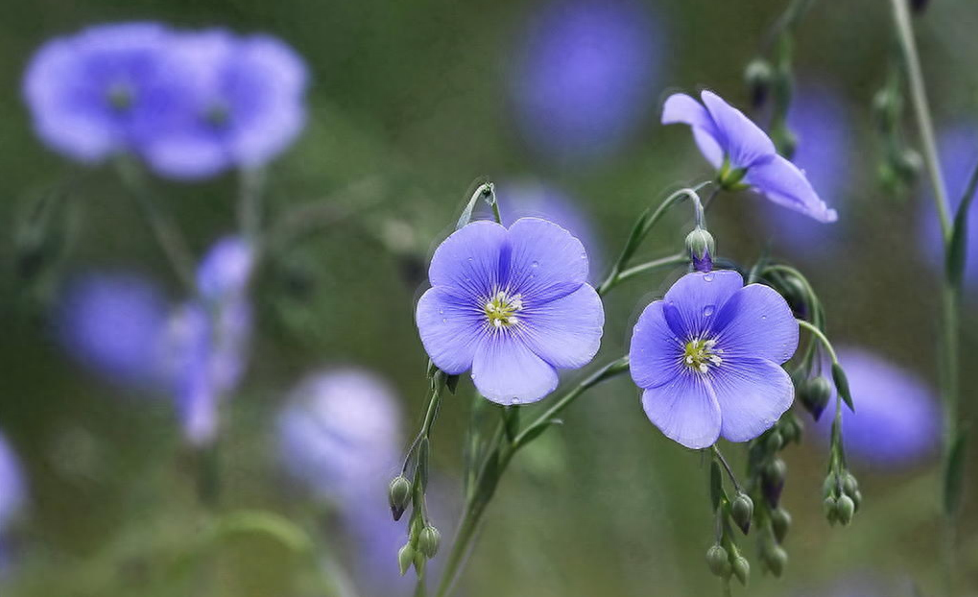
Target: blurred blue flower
x=103, y=90
x=958, y=149
x=111, y=323
x=708, y=358
x=819, y=118
x=245, y=104
x=743, y=153
x=513, y=305
x=586, y=73
x=897, y=422
x=13, y=491
x=226, y=269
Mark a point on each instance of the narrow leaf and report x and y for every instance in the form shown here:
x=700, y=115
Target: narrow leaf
x=842, y=385
x=956, y=251
x=483, y=191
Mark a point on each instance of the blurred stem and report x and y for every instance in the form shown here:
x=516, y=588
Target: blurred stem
x=168, y=235
x=208, y=476
x=949, y=363
x=494, y=465
x=250, y=184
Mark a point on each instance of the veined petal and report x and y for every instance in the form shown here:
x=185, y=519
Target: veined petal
x=546, y=261
x=507, y=372
x=757, y=322
x=451, y=326
x=691, y=305
x=752, y=393
x=681, y=108
x=655, y=354
x=744, y=141
x=783, y=183
x=685, y=410
x=565, y=332
x=470, y=259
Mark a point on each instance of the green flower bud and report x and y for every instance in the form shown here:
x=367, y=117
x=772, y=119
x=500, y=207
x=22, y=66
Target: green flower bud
x=907, y=164
x=857, y=499
x=831, y=510
x=886, y=109
x=780, y=523
x=701, y=247
x=399, y=495
x=774, y=442
x=758, y=76
x=849, y=484
x=814, y=395
x=772, y=480
x=428, y=541
x=719, y=562
x=405, y=557
x=830, y=486
x=742, y=511
x=845, y=508
x=776, y=559
x=741, y=569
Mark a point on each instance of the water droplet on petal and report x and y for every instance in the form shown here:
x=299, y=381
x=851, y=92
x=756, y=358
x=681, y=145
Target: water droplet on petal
x=763, y=316
x=535, y=264
x=708, y=310
x=708, y=278
x=514, y=401
x=444, y=320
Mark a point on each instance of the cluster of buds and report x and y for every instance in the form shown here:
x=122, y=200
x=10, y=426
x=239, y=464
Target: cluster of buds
x=842, y=497
x=900, y=165
x=724, y=558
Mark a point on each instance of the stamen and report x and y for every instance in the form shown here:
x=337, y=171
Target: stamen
x=502, y=308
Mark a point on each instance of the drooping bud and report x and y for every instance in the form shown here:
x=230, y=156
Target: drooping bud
x=814, y=395
x=780, y=523
x=831, y=510
x=758, y=76
x=774, y=441
x=405, y=557
x=857, y=499
x=701, y=248
x=845, y=508
x=742, y=511
x=399, y=495
x=428, y=541
x=887, y=106
x=718, y=560
x=776, y=559
x=741, y=569
x=849, y=484
x=772, y=480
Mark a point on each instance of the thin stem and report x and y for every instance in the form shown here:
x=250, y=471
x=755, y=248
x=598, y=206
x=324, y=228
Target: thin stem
x=821, y=338
x=250, y=214
x=723, y=461
x=651, y=266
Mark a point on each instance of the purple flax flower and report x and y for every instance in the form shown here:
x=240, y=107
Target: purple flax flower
x=513, y=306
x=13, y=492
x=226, y=269
x=102, y=91
x=820, y=119
x=111, y=324
x=708, y=358
x=958, y=148
x=737, y=147
x=584, y=76
x=897, y=420
x=244, y=105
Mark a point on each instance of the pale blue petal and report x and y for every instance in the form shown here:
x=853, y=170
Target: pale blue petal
x=565, y=332
x=682, y=109
x=469, y=260
x=451, y=326
x=685, y=410
x=691, y=305
x=656, y=353
x=752, y=393
x=507, y=372
x=757, y=322
x=783, y=183
x=546, y=261
x=745, y=143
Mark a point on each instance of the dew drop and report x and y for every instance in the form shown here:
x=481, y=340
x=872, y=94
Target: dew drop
x=535, y=264
x=514, y=401
x=444, y=320
x=763, y=316
x=470, y=259
x=708, y=310
x=708, y=278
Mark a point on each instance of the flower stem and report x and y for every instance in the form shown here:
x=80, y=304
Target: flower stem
x=726, y=466
x=650, y=266
x=821, y=338
x=250, y=183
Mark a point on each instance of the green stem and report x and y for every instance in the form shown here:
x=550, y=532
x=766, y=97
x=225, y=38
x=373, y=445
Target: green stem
x=821, y=338
x=726, y=466
x=651, y=266
x=250, y=214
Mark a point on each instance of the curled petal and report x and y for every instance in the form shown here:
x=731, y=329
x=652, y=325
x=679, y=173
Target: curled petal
x=752, y=393
x=546, y=261
x=783, y=183
x=691, y=305
x=656, y=351
x=469, y=259
x=758, y=322
x=745, y=143
x=685, y=410
x=681, y=108
x=451, y=327
x=507, y=372
x=565, y=332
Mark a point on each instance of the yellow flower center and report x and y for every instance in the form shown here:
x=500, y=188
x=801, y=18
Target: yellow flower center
x=501, y=309
x=701, y=354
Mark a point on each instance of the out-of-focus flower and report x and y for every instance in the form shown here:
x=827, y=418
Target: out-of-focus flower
x=863, y=584
x=13, y=492
x=743, y=154
x=897, y=420
x=708, y=357
x=111, y=323
x=585, y=75
x=226, y=269
x=819, y=118
x=958, y=149
x=245, y=104
x=511, y=304
x=102, y=91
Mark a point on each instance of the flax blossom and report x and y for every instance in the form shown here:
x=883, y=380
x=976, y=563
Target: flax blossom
x=743, y=154
x=13, y=493
x=513, y=306
x=708, y=359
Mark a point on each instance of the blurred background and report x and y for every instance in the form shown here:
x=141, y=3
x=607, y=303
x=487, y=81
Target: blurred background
x=556, y=101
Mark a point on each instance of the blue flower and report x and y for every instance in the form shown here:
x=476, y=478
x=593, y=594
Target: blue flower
x=897, y=422
x=513, y=306
x=226, y=269
x=102, y=91
x=743, y=153
x=13, y=492
x=245, y=104
x=111, y=323
x=585, y=75
x=708, y=359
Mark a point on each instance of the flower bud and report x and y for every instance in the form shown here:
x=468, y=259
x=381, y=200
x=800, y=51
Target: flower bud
x=857, y=499
x=772, y=480
x=405, y=557
x=398, y=495
x=831, y=510
x=719, y=562
x=742, y=511
x=849, y=484
x=774, y=442
x=886, y=108
x=908, y=164
x=758, y=76
x=741, y=569
x=829, y=486
x=815, y=394
x=701, y=247
x=780, y=523
x=428, y=541
x=776, y=559
x=845, y=508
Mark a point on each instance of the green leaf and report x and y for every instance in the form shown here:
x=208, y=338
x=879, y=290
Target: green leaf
x=956, y=251
x=485, y=191
x=511, y=417
x=534, y=432
x=842, y=385
x=954, y=474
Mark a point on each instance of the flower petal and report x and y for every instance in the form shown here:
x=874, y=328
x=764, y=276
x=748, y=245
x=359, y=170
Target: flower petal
x=752, y=393
x=546, y=261
x=451, y=326
x=681, y=108
x=757, y=322
x=469, y=259
x=694, y=300
x=685, y=410
x=565, y=332
x=744, y=141
x=783, y=183
x=507, y=372
x=655, y=355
